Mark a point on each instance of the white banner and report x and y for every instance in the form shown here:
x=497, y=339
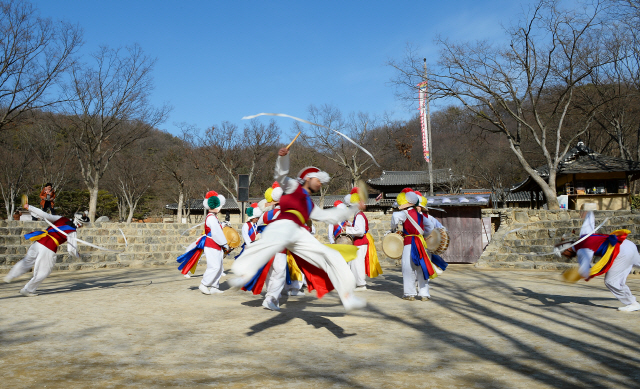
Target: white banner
x=422, y=94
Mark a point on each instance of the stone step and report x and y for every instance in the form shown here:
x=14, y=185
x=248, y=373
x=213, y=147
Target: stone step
x=524, y=265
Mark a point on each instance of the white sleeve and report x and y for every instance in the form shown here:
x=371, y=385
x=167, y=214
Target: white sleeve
x=287, y=184
x=436, y=222
x=359, y=227
x=216, y=231
x=397, y=218
x=43, y=215
x=584, y=260
x=429, y=225
x=333, y=215
x=330, y=233
x=589, y=224
x=72, y=244
x=245, y=233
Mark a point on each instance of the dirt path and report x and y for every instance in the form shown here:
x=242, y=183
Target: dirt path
x=152, y=328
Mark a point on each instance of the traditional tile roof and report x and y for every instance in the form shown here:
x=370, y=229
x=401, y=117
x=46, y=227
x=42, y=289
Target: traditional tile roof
x=231, y=205
x=412, y=178
x=582, y=159
x=459, y=200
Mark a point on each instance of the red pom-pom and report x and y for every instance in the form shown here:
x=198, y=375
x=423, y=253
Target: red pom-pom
x=275, y=185
x=210, y=193
x=406, y=190
x=354, y=190
x=254, y=205
x=418, y=193
x=336, y=203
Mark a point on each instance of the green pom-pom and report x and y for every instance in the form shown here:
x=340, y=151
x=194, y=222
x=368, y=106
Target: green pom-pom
x=213, y=202
x=249, y=211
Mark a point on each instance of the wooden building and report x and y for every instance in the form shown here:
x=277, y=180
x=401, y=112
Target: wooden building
x=587, y=176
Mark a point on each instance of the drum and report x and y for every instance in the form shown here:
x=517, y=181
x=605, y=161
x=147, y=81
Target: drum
x=233, y=238
x=438, y=241
x=571, y=275
x=344, y=239
x=392, y=245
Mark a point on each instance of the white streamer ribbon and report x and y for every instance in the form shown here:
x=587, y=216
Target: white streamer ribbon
x=316, y=124
x=83, y=242
x=573, y=245
x=187, y=230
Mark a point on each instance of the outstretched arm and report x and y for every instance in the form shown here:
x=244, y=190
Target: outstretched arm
x=332, y=215
x=282, y=169
x=359, y=227
x=589, y=224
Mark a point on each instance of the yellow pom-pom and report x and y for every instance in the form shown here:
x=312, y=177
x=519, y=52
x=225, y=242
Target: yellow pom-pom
x=267, y=195
x=401, y=199
x=355, y=198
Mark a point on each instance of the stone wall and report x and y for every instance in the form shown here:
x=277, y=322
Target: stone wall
x=524, y=235
x=149, y=244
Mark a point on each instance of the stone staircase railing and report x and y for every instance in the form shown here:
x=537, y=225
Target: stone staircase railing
x=538, y=231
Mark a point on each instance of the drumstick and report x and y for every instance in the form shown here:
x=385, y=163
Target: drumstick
x=294, y=139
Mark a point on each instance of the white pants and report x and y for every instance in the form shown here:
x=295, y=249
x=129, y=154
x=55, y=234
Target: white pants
x=615, y=279
x=357, y=266
x=412, y=273
x=287, y=234
x=277, y=278
x=41, y=259
x=211, y=276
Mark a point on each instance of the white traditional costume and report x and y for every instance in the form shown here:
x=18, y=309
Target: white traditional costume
x=212, y=243
x=41, y=256
x=416, y=265
x=288, y=231
x=617, y=257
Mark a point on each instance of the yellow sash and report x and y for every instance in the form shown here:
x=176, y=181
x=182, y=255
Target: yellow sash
x=597, y=267
x=45, y=233
x=374, y=265
x=294, y=271
x=298, y=214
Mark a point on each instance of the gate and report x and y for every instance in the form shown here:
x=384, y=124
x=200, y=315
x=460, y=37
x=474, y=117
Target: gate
x=464, y=225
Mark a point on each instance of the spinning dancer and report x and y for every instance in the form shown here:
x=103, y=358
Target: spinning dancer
x=287, y=231
x=617, y=258
x=367, y=261
x=214, y=245
x=42, y=254
x=416, y=264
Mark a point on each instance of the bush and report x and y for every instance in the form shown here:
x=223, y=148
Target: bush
x=635, y=202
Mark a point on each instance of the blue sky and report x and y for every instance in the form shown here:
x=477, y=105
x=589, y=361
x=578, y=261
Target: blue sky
x=221, y=60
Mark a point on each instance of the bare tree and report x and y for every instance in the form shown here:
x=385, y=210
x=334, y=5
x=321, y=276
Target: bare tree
x=131, y=177
x=334, y=147
x=14, y=163
x=107, y=109
x=52, y=152
x=34, y=53
x=227, y=152
x=526, y=89
x=172, y=158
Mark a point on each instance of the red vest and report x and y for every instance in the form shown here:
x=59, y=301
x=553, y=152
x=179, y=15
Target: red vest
x=408, y=228
x=361, y=241
x=270, y=216
x=49, y=243
x=207, y=231
x=252, y=231
x=298, y=201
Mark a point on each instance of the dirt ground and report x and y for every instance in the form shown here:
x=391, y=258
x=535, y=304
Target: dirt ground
x=151, y=327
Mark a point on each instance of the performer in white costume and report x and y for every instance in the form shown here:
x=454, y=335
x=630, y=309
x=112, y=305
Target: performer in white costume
x=288, y=232
x=615, y=267
x=415, y=268
x=41, y=256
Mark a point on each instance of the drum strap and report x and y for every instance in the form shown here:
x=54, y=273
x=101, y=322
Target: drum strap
x=415, y=224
